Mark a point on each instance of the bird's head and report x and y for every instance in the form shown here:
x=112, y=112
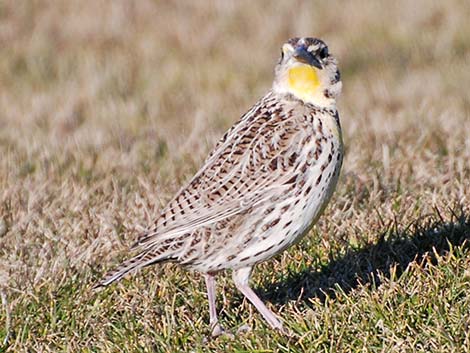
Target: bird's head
x=308, y=71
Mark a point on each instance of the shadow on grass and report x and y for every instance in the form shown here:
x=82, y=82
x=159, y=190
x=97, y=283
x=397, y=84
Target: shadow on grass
x=423, y=238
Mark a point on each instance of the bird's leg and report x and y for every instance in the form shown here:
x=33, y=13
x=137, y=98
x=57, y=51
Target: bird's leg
x=241, y=277
x=210, y=284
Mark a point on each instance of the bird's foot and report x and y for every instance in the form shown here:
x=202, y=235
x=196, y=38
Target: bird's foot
x=284, y=331
x=218, y=331
x=243, y=329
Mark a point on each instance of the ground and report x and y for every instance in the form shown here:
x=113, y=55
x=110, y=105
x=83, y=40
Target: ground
x=108, y=107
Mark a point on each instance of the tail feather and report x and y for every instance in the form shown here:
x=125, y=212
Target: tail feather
x=126, y=267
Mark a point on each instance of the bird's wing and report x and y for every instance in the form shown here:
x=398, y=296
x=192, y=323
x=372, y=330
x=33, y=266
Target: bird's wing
x=254, y=161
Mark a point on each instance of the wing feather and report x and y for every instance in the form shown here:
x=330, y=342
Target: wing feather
x=241, y=172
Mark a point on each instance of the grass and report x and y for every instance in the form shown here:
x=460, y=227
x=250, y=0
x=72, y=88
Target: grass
x=107, y=108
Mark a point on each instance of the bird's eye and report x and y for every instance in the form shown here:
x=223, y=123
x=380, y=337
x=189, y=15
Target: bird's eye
x=282, y=57
x=323, y=53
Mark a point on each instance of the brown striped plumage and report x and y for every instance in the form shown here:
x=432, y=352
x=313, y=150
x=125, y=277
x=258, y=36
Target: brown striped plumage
x=262, y=187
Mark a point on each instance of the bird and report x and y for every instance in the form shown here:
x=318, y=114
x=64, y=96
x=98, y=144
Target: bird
x=263, y=186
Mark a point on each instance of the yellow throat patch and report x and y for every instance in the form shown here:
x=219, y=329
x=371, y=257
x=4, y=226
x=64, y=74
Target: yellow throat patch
x=303, y=82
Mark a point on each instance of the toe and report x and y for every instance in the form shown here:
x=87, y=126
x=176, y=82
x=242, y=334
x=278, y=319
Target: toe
x=243, y=329
x=217, y=330
x=285, y=331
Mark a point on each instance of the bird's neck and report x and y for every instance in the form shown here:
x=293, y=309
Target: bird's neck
x=305, y=83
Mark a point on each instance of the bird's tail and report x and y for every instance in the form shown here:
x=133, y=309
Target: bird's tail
x=126, y=267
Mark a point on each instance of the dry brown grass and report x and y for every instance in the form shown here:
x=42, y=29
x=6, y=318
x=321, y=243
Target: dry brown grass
x=108, y=107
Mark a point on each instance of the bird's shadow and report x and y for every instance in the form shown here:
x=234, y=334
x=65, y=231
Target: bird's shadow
x=425, y=238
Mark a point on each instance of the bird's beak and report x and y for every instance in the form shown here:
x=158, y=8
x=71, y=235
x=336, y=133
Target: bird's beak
x=304, y=56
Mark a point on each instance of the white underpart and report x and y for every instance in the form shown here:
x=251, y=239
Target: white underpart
x=265, y=244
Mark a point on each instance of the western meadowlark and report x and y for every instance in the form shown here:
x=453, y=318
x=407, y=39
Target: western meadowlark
x=262, y=187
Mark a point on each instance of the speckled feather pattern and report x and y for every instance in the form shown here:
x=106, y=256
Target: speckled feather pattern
x=260, y=190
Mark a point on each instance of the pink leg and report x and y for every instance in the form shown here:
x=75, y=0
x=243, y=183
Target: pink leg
x=210, y=284
x=241, y=277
